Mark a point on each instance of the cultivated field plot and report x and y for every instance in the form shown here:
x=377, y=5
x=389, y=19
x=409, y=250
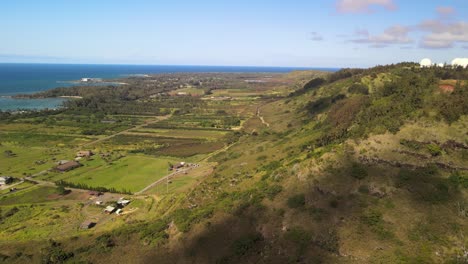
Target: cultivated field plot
x=34, y=195
x=211, y=135
x=28, y=139
x=161, y=146
x=199, y=121
x=131, y=173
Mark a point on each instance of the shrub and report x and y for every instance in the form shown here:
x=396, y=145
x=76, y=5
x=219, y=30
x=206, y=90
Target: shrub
x=358, y=88
x=300, y=237
x=104, y=242
x=296, y=201
x=364, y=189
x=434, y=150
x=358, y=171
x=243, y=245
x=185, y=218
x=374, y=220
x=411, y=144
x=61, y=190
x=54, y=253
x=317, y=213
x=459, y=179
x=273, y=190
x=334, y=203
x=11, y=212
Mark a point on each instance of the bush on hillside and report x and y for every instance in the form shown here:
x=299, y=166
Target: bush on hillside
x=359, y=88
x=358, y=171
x=296, y=201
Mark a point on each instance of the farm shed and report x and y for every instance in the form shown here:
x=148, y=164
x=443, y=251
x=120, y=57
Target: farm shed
x=84, y=153
x=109, y=209
x=68, y=166
x=87, y=225
x=5, y=180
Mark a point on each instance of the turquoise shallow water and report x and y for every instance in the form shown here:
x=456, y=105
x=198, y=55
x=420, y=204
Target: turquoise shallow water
x=29, y=104
x=17, y=78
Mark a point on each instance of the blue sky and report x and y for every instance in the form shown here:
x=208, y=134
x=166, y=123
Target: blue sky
x=312, y=33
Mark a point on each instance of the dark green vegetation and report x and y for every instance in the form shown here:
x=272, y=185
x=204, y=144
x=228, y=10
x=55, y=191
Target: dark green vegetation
x=357, y=166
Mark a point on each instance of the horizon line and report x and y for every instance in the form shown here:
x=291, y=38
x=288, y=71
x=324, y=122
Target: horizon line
x=177, y=65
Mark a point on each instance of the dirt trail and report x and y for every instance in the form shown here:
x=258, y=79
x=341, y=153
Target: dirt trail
x=261, y=118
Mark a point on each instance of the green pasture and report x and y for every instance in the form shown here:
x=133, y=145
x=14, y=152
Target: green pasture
x=36, y=194
x=130, y=173
x=29, y=160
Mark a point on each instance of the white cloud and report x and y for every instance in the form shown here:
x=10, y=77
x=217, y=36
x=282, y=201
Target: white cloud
x=443, y=35
x=363, y=6
x=445, y=11
x=394, y=35
x=315, y=36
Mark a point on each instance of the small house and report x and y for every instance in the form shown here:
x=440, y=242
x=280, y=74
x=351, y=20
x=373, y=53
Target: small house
x=178, y=165
x=99, y=202
x=84, y=154
x=68, y=166
x=87, y=225
x=60, y=162
x=109, y=209
x=6, y=180
x=123, y=202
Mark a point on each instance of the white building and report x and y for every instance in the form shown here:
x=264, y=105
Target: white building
x=425, y=63
x=460, y=62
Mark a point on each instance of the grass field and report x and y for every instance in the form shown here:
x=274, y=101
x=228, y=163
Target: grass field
x=29, y=160
x=183, y=182
x=36, y=194
x=130, y=173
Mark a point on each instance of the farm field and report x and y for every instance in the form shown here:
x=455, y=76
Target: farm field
x=211, y=135
x=132, y=173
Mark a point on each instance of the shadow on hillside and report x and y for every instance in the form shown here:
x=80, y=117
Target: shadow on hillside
x=308, y=232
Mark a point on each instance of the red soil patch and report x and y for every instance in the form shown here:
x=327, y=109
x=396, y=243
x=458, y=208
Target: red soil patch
x=447, y=88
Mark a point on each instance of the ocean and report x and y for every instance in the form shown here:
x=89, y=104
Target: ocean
x=19, y=78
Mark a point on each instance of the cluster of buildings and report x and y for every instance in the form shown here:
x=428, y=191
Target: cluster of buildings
x=67, y=165
x=110, y=208
x=120, y=204
x=463, y=62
